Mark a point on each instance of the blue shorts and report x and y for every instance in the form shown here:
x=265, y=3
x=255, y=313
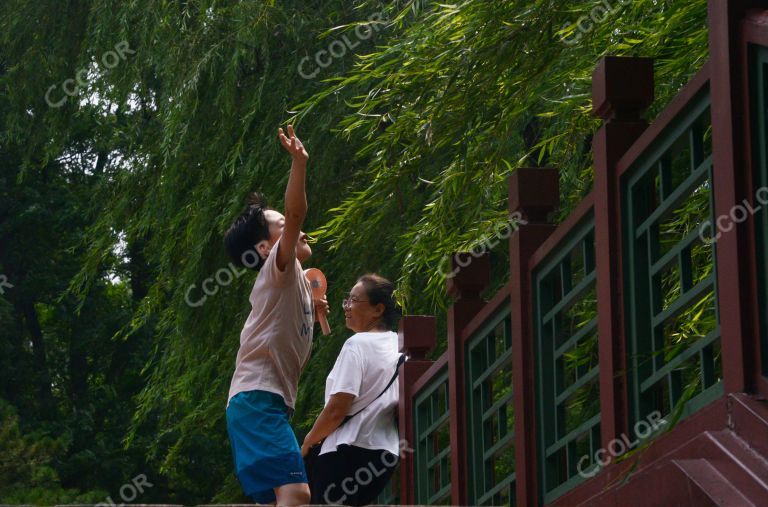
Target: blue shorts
x=264, y=446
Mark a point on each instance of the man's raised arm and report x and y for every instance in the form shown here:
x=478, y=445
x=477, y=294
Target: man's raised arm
x=295, y=198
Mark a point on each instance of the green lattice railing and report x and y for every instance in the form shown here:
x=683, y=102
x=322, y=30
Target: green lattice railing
x=431, y=422
x=759, y=99
x=490, y=417
x=391, y=493
x=673, y=327
x=565, y=320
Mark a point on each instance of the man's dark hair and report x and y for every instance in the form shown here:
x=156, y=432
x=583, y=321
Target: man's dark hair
x=246, y=232
x=379, y=290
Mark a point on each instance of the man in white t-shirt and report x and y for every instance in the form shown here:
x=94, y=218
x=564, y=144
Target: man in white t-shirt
x=275, y=342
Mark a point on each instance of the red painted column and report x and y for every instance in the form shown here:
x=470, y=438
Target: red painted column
x=533, y=194
x=734, y=277
x=753, y=33
x=418, y=336
x=470, y=277
x=622, y=88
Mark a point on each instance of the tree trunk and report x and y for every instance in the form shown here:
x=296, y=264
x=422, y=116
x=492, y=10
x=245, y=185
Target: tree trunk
x=27, y=309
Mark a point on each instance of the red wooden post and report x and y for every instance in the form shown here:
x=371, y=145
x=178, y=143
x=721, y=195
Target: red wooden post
x=470, y=275
x=753, y=33
x=622, y=88
x=418, y=336
x=738, y=333
x=533, y=194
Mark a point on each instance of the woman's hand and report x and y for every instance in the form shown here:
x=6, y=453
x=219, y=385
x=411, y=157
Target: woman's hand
x=321, y=307
x=305, y=447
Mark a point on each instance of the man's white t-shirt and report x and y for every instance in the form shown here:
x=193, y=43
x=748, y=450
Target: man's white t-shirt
x=364, y=367
x=276, y=340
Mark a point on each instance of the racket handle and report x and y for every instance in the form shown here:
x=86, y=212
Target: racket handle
x=324, y=324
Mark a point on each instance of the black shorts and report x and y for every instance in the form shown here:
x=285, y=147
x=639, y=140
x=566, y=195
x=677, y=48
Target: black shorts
x=351, y=475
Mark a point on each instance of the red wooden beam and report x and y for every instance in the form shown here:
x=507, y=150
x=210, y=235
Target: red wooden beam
x=754, y=32
x=426, y=378
x=470, y=279
x=562, y=230
x=532, y=232
x=417, y=334
x=621, y=90
x=661, y=122
x=731, y=184
x=500, y=300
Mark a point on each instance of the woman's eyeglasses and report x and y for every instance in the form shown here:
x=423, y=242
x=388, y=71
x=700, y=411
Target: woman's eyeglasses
x=347, y=302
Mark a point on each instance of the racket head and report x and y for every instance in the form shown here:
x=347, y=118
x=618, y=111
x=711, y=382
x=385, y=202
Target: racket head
x=317, y=282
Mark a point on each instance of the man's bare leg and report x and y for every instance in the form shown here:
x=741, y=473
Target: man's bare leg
x=292, y=495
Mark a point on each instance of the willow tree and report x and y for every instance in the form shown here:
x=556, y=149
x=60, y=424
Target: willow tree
x=412, y=130
x=464, y=93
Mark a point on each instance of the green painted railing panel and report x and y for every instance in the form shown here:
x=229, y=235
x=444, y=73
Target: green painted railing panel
x=567, y=379
x=490, y=416
x=759, y=99
x=432, y=452
x=673, y=328
x=391, y=493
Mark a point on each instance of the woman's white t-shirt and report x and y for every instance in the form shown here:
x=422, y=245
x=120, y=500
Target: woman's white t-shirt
x=364, y=367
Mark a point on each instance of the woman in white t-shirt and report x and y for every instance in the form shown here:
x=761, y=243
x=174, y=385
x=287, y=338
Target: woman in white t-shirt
x=359, y=453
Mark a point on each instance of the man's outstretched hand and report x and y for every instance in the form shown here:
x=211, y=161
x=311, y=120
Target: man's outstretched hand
x=293, y=145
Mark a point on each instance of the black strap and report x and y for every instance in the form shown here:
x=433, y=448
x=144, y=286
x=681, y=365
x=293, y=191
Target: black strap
x=400, y=361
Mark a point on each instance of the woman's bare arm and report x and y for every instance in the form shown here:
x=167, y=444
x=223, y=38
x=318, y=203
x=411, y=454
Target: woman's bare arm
x=329, y=419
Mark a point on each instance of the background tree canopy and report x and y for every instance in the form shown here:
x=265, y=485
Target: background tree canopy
x=117, y=187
